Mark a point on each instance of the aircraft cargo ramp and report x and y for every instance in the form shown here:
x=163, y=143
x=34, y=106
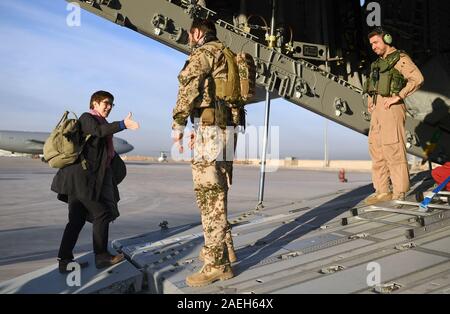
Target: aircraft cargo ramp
x=326, y=244
x=323, y=245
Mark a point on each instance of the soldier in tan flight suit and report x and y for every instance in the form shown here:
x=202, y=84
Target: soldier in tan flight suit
x=393, y=77
x=213, y=146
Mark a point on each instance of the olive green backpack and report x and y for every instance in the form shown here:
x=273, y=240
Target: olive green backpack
x=65, y=144
x=239, y=87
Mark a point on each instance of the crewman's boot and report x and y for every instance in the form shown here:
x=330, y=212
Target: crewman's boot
x=209, y=274
x=231, y=254
x=378, y=198
x=399, y=197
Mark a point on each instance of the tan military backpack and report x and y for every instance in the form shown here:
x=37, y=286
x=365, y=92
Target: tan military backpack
x=239, y=88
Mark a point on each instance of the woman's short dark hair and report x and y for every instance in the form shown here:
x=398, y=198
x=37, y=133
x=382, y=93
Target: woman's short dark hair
x=100, y=96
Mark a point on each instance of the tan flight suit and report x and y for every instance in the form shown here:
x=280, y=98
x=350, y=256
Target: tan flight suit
x=387, y=138
x=214, y=148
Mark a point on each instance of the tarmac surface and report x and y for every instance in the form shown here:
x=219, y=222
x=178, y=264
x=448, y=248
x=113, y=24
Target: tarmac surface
x=32, y=220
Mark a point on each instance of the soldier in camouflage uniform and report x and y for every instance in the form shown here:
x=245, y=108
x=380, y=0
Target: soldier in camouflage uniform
x=213, y=142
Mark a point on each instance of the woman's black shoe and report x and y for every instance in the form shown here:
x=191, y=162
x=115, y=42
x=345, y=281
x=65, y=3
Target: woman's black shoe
x=62, y=265
x=106, y=260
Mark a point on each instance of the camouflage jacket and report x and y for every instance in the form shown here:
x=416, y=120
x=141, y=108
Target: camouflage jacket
x=196, y=82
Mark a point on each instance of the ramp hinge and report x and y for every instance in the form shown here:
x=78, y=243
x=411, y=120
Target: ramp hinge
x=387, y=288
x=332, y=269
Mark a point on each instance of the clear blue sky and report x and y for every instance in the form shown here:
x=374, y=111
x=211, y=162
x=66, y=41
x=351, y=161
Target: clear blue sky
x=48, y=67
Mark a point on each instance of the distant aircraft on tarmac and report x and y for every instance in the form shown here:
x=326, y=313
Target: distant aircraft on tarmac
x=33, y=142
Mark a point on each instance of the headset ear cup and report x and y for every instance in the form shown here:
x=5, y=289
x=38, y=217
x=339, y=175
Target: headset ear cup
x=387, y=38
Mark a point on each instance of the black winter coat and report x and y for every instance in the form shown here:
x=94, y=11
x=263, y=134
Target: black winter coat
x=87, y=184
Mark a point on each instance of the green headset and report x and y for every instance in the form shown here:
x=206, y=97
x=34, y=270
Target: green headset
x=387, y=38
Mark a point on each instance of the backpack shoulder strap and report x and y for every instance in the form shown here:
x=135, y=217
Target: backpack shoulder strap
x=215, y=48
x=64, y=117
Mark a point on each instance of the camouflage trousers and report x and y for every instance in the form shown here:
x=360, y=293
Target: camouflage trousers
x=212, y=170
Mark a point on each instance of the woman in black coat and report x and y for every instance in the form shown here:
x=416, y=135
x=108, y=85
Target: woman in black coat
x=90, y=185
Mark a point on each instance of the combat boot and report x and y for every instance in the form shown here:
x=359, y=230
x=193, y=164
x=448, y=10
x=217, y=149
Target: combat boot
x=378, y=198
x=231, y=254
x=209, y=274
x=399, y=197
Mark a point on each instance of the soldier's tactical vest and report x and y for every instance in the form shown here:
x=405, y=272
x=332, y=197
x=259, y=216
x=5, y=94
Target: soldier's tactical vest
x=385, y=80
